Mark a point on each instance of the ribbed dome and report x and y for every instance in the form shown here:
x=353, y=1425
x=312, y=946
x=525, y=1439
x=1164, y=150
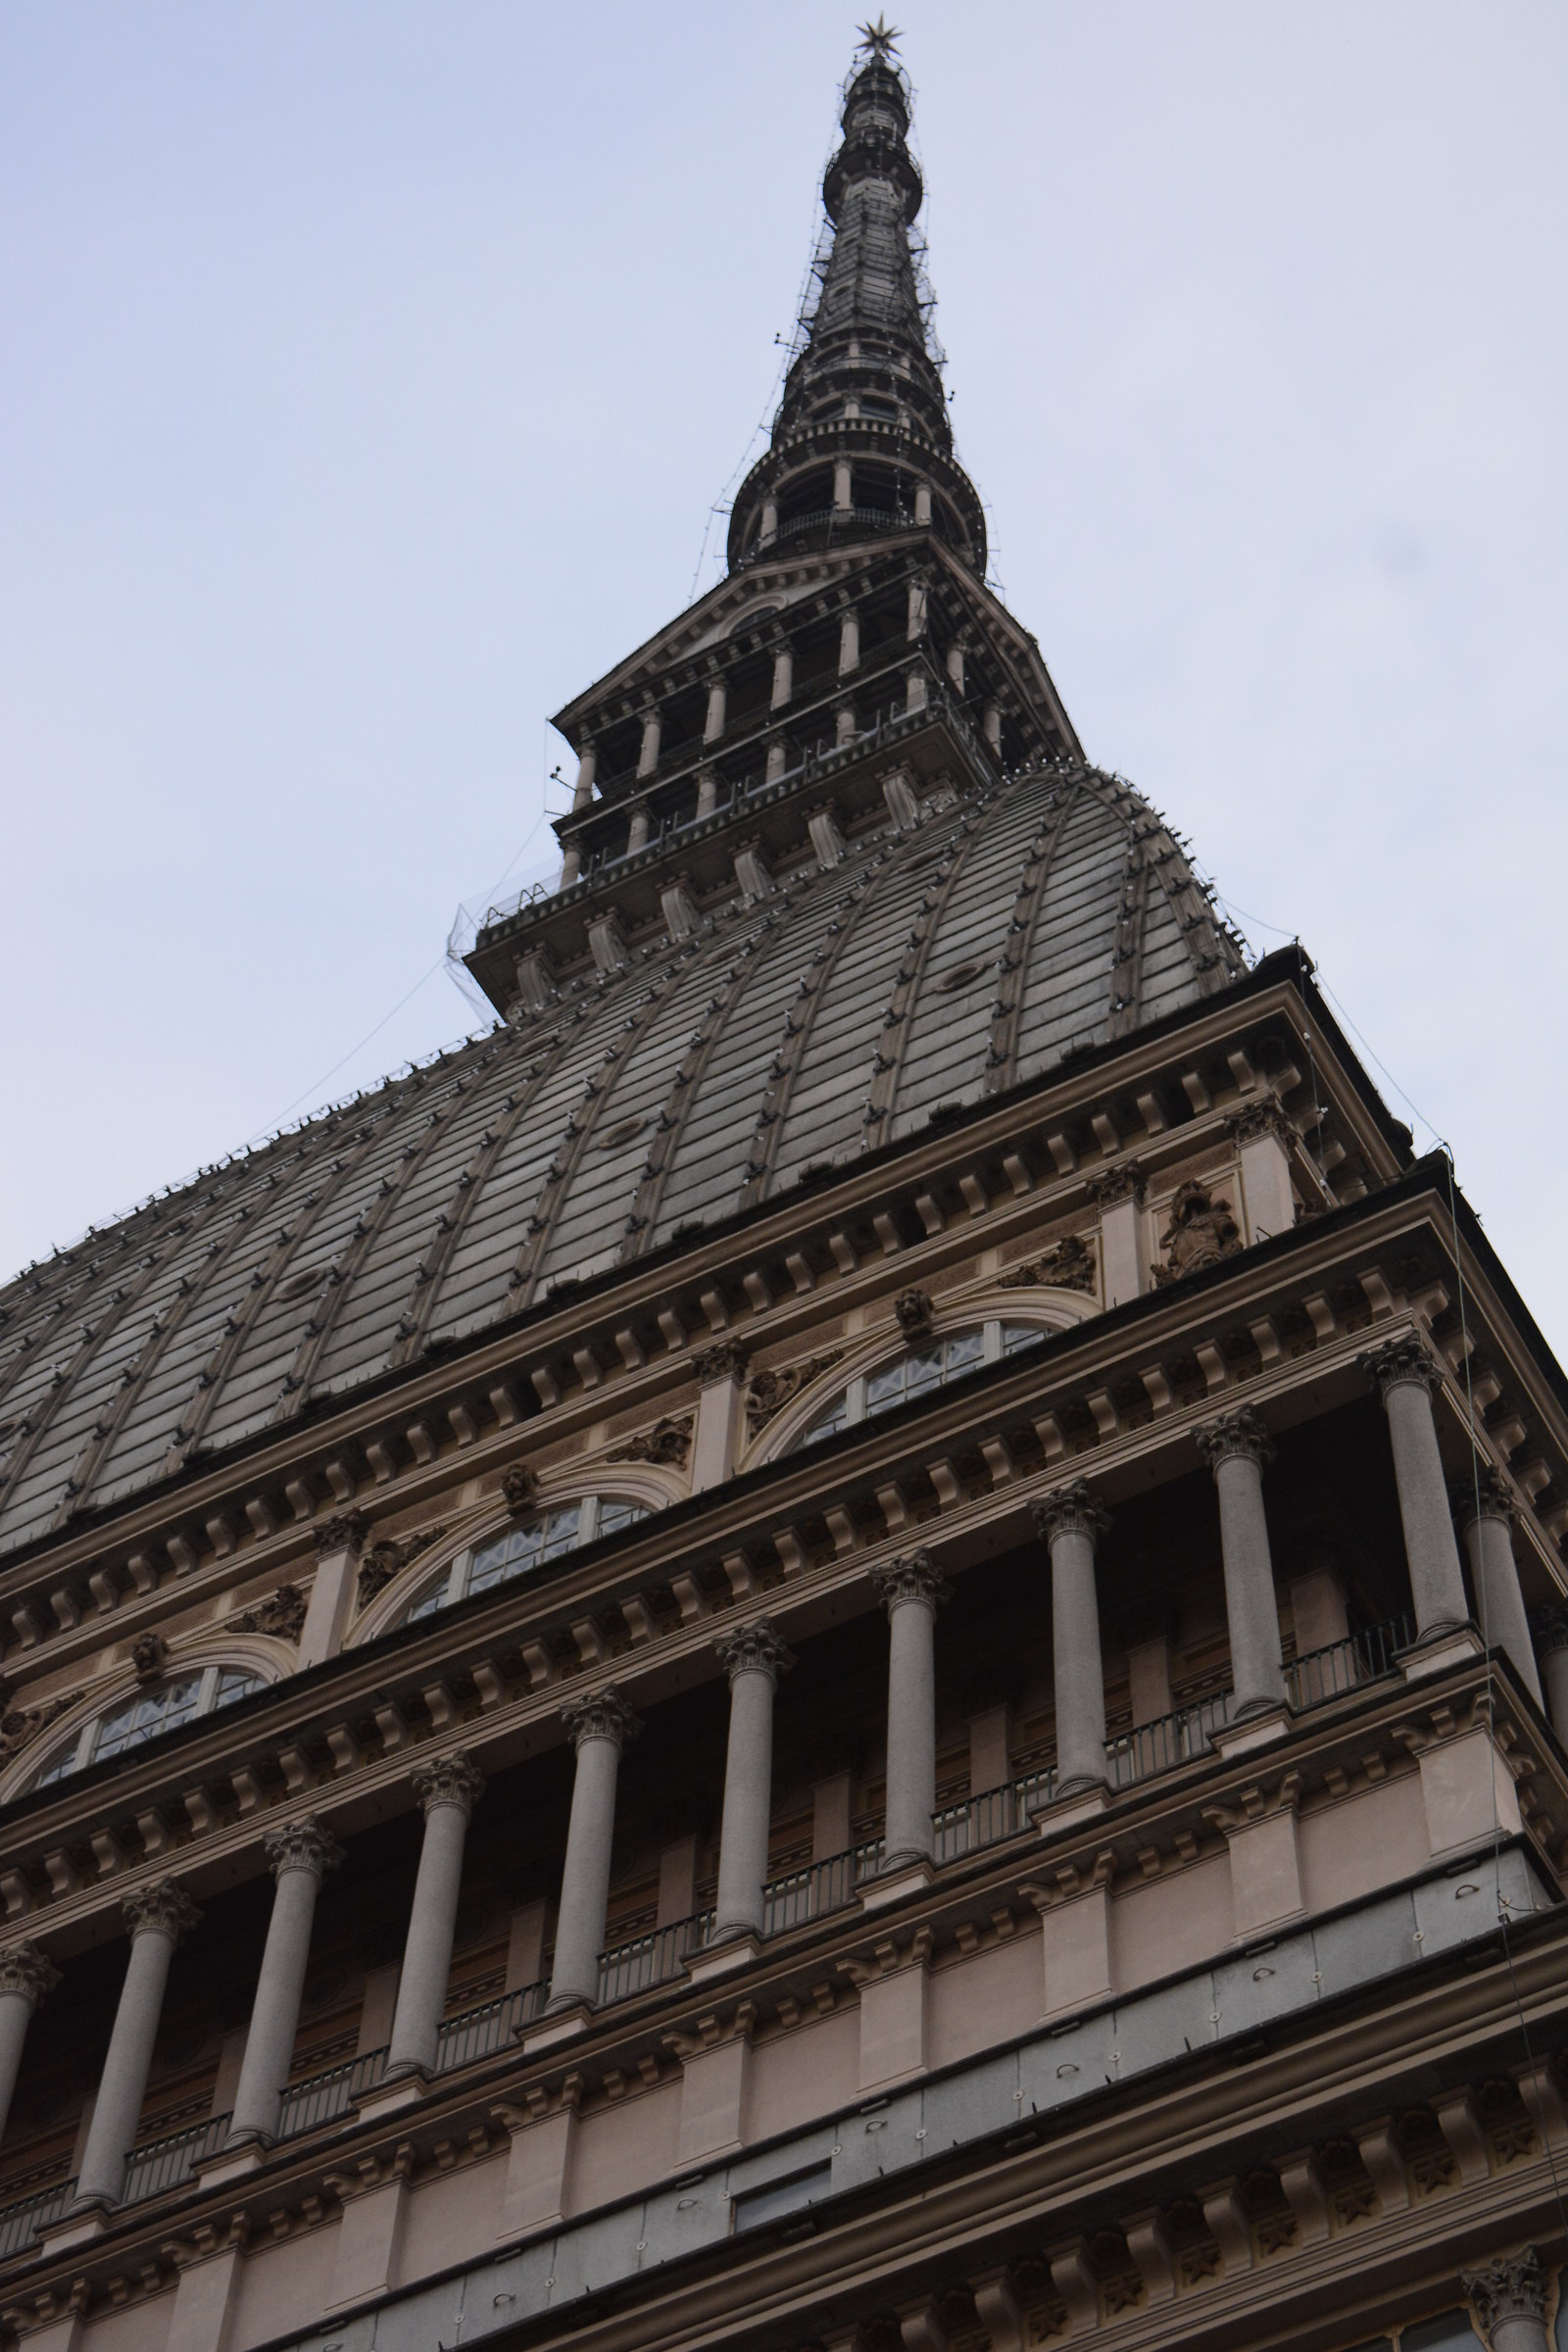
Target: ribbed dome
x=926, y=968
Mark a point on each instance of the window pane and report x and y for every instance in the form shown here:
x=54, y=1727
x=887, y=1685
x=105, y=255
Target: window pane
x=832, y=1421
x=234, y=1683
x=148, y=1714
x=524, y=1545
x=560, y=1531
x=613, y=1515
x=64, y=1762
x=490, y=1566
x=959, y=1354
x=885, y=1388
x=923, y=1371
x=428, y=1604
x=1020, y=1334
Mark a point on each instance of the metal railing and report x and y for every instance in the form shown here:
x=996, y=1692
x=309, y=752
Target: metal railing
x=992, y=1816
x=1171, y=1740
x=323, y=2098
x=21, y=2221
x=479, y=2032
x=1323, y=1674
x=166, y=2163
x=651, y=1959
x=821, y=1888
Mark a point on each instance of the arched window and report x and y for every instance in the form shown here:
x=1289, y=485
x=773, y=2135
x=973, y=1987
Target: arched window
x=520, y=1549
x=147, y=1715
x=931, y=1364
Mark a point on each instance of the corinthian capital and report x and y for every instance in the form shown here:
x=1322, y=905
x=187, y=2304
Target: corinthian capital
x=1482, y=1493
x=161, y=1909
x=1404, y=1362
x=603, y=1716
x=1514, y=2287
x=1550, y=1625
x=1107, y=1186
x=755, y=1649
x=1235, y=1437
x=726, y=1359
x=345, y=1531
x=1259, y=1119
x=301, y=1845
x=25, y=1970
x=1072, y=1510
x=916, y=1577
x=448, y=1780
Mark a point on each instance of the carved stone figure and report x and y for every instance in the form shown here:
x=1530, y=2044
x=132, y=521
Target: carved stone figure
x=21, y=1723
x=150, y=1657
x=1202, y=1231
x=519, y=1488
x=1067, y=1265
x=283, y=1613
x=343, y=1530
x=669, y=1441
x=770, y=1392
x=389, y=1557
x=915, y=1311
x=726, y=1359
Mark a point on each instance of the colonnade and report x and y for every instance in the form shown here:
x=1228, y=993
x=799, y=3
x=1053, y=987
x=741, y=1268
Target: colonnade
x=1069, y=1522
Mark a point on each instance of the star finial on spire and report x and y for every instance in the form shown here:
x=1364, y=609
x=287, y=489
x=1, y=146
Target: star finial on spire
x=880, y=39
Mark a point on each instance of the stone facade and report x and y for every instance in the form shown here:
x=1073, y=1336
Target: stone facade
x=856, y=1642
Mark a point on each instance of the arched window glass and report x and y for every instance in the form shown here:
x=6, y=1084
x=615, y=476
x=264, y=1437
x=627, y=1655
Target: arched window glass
x=525, y=1547
x=929, y=1365
x=147, y=1715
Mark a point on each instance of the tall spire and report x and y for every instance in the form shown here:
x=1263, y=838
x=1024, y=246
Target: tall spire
x=861, y=442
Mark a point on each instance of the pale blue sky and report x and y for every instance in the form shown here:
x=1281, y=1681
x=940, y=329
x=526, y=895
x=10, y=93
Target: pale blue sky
x=370, y=371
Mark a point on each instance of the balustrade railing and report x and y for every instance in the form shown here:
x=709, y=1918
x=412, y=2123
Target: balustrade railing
x=992, y=1816
x=165, y=2163
x=323, y=2098
x=1323, y=1674
x=1171, y=1740
x=476, y=2032
x=19, y=2222
x=821, y=1888
x=651, y=1959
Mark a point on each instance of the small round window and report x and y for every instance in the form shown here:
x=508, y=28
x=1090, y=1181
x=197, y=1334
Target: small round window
x=522, y=1548
x=930, y=1365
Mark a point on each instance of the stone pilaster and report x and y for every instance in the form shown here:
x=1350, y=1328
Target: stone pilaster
x=339, y=1541
x=720, y=1371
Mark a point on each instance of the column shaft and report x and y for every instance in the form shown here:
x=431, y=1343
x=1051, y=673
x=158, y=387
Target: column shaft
x=1500, y=1603
x=298, y=1856
x=1070, y=1523
x=910, y=1589
x=1235, y=1448
x=156, y=1915
x=1403, y=1371
x=756, y=1657
x=585, y=1878
x=26, y=1976
x=448, y=1791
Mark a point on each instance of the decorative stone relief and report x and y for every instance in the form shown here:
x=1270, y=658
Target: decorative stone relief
x=301, y=1845
x=343, y=1530
x=19, y=1725
x=1072, y=1510
x=1404, y=1361
x=1240, y=1434
x=916, y=1577
x=519, y=1488
x=1259, y=1119
x=603, y=1716
x=1124, y=1182
x=448, y=1780
x=726, y=1359
x=755, y=1649
x=669, y=1441
x=1202, y=1231
x=1067, y=1265
x=385, y=1560
x=915, y=1311
x=770, y=1392
x=283, y=1613
x=1514, y=2287
x=162, y=1909
x=25, y=1970
x=149, y=1657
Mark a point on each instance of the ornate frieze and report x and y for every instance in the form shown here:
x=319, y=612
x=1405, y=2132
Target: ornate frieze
x=916, y=1577
x=1072, y=1510
x=770, y=1392
x=669, y=1441
x=1202, y=1231
x=1067, y=1265
x=1235, y=1437
x=755, y=1649
x=605, y=1715
x=454, y=1779
x=389, y=1557
x=1512, y=2288
x=161, y=1909
x=283, y=1613
x=25, y=1970
x=725, y=1359
x=301, y=1845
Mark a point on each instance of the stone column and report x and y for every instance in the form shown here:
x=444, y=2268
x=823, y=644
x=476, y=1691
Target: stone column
x=756, y=1657
x=600, y=1728
x=990, y=726
x=1552, y=1647
x=26, y=1976
x=1237, y=1449
x=1405, y=1372
x=1509, y=2300
x=769, y=528
x=448, y=1789
x=648, y=754
x=582, y=792
x=718, y=703
x=843, y=486
x=911, y=1591
x=849, y=643
x=157, y=1916
x=783, y=677
x=1483, y=1511
x=922, y=503
x=301, y=1855
x=914, y=613
x=1069, y=1522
